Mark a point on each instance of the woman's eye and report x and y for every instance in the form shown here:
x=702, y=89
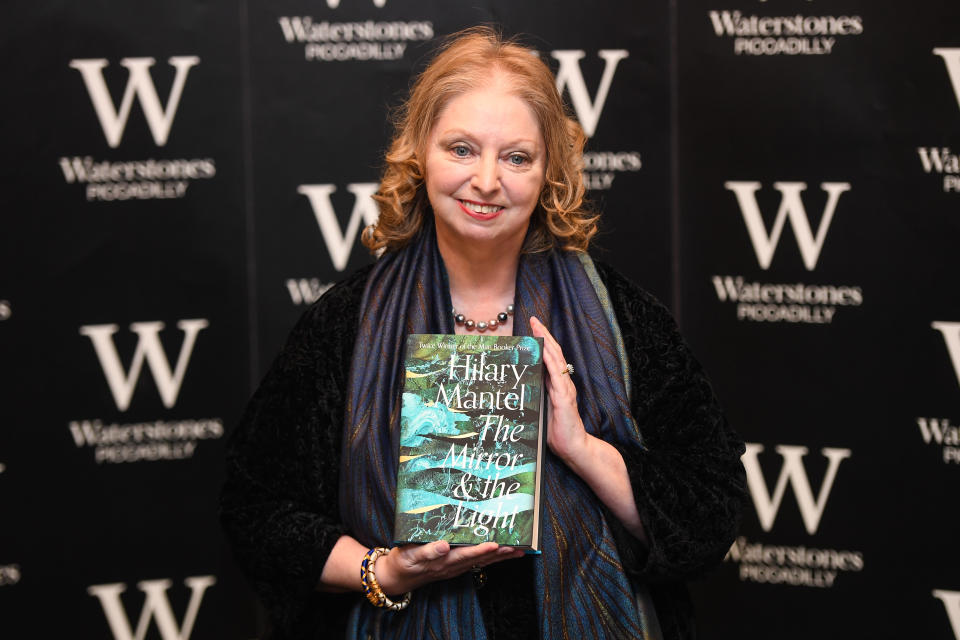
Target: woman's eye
x=517, y=159
x=461, y=151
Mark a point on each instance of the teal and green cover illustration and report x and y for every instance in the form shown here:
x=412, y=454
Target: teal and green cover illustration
x=471, y=438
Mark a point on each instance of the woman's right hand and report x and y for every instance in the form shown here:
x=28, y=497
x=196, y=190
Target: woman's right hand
x=413, y=565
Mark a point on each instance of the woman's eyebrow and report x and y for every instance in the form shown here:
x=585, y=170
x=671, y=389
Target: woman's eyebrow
x=460, y=133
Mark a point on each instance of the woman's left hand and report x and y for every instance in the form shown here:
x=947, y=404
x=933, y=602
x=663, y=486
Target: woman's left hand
x=596, y=461
x=566, y=434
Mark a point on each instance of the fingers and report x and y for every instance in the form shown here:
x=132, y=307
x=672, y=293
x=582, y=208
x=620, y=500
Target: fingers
x=552, y=353
x=506, y=553
x=559, y=382
x=540, y=330
x=501, y=554
x=470, y=553
x=442, y=560
x=566, y=433
x=432, y=551
x=484, y=555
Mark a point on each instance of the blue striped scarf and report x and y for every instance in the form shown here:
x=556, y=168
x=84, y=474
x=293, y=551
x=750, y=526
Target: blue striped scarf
x=582, y=590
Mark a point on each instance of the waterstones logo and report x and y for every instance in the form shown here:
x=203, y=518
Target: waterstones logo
x=150, y=440
x=951, y=58
x=791, y=302
x=755, y=35
x=760, y=561
x=340, y=242
x=940, y=432
x=143, y=441
x=792, y=473
x=342, y=41
x=306, y=290
x=798, y=566
x=151, y=179
x=942, y=161
x=951, y=602
x=600, y=167
x=570, y=77
x=156, y=608
x=951, y=337
x=108, y=180
x=139, y=85
x=149, y=350
x=792, y=208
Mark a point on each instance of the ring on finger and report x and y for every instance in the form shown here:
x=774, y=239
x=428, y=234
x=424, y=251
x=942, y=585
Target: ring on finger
x=567, y=370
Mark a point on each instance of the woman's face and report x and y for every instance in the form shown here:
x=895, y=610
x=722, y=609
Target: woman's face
x=485, y=165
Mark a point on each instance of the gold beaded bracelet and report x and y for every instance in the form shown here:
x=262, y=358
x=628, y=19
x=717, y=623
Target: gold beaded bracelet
x=370, y=586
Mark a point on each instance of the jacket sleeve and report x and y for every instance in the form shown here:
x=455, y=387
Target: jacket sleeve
x=687, y=477
x=279, y=503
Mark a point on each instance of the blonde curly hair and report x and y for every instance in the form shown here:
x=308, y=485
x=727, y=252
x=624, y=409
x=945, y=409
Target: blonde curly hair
x=465, y=62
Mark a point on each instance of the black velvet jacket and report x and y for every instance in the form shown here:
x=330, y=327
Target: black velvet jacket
x=279, y=504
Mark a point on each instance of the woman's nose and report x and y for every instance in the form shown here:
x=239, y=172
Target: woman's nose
x=487, y=175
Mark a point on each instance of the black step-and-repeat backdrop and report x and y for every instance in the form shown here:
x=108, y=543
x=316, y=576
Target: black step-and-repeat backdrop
x=181, y=180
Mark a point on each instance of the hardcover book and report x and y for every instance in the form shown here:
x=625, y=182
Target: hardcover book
x=471, y=440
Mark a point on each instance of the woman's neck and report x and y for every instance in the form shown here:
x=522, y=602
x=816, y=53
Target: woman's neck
x=482, y=279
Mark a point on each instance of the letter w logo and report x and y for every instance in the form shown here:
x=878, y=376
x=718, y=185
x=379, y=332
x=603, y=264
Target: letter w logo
x=156, y=606
x=139, y=83
x=570, y=75
x=794, y=473
x=339, y=244
x=791, y=206
x=951, y=58
x=150, y=349
x=951, y=601
x=951, y=335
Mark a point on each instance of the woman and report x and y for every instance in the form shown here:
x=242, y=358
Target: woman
x=481, y=211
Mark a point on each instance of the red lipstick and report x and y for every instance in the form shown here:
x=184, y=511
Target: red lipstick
x=480, y=216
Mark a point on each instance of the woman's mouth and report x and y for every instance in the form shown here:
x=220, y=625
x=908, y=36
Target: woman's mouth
x=479, y=210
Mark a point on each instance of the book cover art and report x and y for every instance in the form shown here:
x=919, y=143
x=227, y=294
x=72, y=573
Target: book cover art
x=470, y=440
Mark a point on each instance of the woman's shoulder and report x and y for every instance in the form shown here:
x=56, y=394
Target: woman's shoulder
x=632, y=302
x=345, y=293
x=329, y=325
x=340, y=303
